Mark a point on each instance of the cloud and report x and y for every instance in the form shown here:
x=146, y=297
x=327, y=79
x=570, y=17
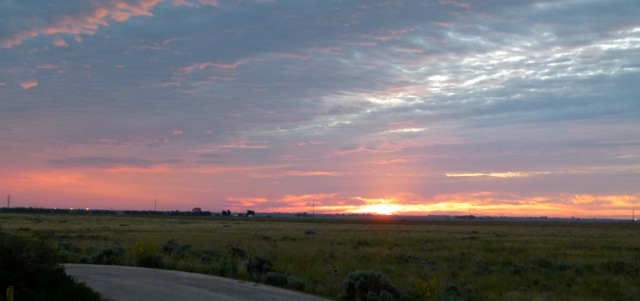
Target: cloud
x=57, y=41
x=109, y=163
x=29, y=84
x=509, y=174
x=76, y=20
x=407, y=100
x=194, y=3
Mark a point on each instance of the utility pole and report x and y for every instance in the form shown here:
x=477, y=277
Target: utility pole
x=8, y=201
x=155, y=205
x=313, y=209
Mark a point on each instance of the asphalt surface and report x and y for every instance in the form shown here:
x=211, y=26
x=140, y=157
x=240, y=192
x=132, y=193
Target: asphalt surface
x=119, y=283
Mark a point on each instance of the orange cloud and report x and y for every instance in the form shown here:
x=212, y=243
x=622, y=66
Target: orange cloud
x=59, y=42
x=247, y=202
x=479, y=204
x=29, y=84
x=85, y=22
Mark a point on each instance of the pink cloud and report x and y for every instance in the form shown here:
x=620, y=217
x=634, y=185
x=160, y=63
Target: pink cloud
x=403, y=30
x=204, y=65
x=209, y=2
x=410, y=50
x=29, y=84
x=384, y=38
x=381, y=149
x=292, y=56
x=86, y=22
x=441, y=24
x=192, y=4
x=49, y=67
x=455, y=3
x=330, y=49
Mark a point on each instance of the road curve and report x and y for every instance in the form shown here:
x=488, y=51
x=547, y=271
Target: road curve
x=120, y=283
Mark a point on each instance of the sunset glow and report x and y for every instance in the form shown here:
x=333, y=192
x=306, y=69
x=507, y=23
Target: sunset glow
x=391, y=108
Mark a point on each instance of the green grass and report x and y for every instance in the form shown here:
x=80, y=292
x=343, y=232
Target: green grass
x=457, y=260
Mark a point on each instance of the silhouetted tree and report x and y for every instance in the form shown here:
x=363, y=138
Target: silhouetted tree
x=251, y=213
x=226, y=212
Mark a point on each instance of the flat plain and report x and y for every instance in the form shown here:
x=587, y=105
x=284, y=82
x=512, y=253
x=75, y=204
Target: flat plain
x=424, y=259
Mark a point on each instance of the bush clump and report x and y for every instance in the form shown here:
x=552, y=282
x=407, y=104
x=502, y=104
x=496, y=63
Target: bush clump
x=295, y=283
x=258, y=266
x=173, y=248
x=32, y=268
x=275, y=279
x=368, y=285
x=262, y=270
x=107, y=256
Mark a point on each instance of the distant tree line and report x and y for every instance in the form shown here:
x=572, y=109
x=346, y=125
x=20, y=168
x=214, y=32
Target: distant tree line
x=197, y=211
x=250, y=213
x=193, y=212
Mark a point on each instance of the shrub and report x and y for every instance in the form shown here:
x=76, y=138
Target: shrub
x=368, y=285
x=108, y=256
x=32, y=268
x=169, y=246
x=206, y=257
x=275, y=278
x=615, y=267
x=295, y=283
x=236, y=252
x=258, y=266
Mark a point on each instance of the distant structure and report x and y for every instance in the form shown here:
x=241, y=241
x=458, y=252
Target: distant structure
x=8, y=201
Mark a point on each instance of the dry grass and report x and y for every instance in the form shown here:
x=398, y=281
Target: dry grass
x=460, y=260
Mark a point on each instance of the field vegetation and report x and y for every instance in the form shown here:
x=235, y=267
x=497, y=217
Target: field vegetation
x=373, y=259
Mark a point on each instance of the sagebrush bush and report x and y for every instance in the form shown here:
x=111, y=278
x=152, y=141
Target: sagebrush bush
x=107, y=256
x=275, y=279
x=32, y=268
x=295, y=283
x=258, y=266
x=367, y=286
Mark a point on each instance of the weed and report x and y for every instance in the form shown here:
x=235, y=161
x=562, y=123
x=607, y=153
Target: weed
x=146, y=254
x=427, y=289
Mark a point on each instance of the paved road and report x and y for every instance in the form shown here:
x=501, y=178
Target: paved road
x=118, y=283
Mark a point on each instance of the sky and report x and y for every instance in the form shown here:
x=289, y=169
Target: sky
x=520, y=108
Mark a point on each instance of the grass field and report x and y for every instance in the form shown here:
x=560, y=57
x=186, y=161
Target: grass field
x=426, y=260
